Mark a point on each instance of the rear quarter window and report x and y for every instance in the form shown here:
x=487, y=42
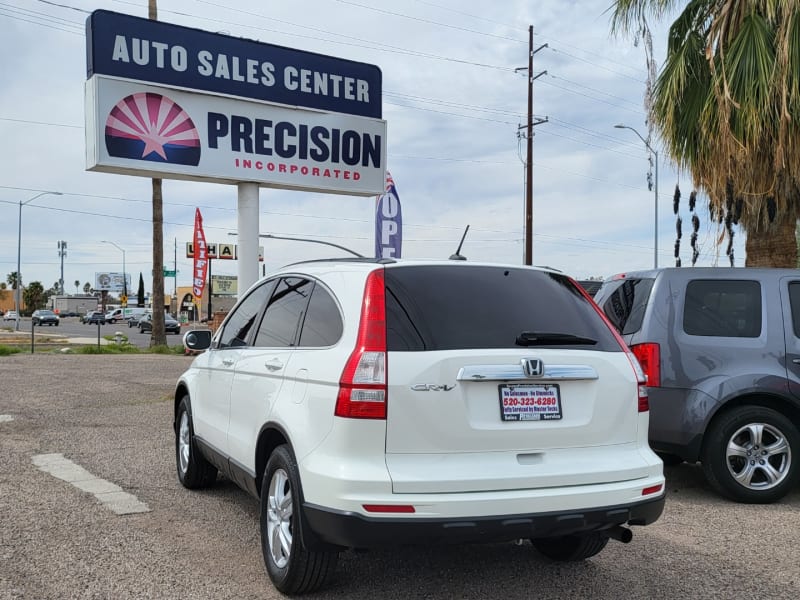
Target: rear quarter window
x=442, y=307
x=722, y=308
x=624, y=302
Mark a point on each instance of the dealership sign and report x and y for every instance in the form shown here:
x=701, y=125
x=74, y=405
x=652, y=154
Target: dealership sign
x=162, y=53
x=169, y=101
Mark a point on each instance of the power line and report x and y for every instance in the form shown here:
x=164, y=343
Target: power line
x=18, y=18
x=430, y=22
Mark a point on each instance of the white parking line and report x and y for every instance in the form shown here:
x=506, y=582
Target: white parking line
x=109, y=494
x=6, y=418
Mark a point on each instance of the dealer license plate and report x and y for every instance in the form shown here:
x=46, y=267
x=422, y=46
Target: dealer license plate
x=530, y=402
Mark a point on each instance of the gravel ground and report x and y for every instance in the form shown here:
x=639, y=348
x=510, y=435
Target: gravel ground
x=112, y=415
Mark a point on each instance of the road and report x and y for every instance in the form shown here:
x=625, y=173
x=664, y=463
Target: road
x=72, y=327
x=111, y=415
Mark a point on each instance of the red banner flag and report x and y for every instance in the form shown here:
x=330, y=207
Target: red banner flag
x=200, y=270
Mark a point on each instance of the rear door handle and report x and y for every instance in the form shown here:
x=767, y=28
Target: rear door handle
x=274, y=364
x=227, y=362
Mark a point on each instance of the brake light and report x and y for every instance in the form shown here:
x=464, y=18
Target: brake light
x=362, y=386
x=641, y=377
x=649, y=356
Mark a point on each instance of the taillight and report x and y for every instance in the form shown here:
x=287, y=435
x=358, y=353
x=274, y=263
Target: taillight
x=362, y=386
x=649, y=356
x=641, y=378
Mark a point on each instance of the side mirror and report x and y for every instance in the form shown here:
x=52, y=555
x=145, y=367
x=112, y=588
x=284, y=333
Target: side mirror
x=198, y=339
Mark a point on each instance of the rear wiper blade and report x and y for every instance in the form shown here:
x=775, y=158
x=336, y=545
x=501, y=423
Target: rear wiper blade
x=540, y=338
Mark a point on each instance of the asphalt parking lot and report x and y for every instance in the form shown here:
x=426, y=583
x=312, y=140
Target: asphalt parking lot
x=110, y=415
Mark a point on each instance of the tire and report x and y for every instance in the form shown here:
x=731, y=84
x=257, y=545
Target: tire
x=571, y=548
x=194, y=471
x=750, y=455
x=292, y=568
x=141, y=329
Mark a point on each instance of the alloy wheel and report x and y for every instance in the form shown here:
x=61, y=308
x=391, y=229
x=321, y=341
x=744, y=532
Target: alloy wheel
x=184, y=442
x=758, y=456
x=279, y=518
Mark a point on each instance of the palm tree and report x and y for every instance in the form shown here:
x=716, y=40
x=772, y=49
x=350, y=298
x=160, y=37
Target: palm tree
x=12, y=280
x=726, y=104
x=77, y=285
x=87, y=287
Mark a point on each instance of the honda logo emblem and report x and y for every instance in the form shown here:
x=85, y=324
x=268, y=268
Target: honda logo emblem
x=532, y=367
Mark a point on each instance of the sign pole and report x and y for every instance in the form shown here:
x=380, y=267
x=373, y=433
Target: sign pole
x=248, y=225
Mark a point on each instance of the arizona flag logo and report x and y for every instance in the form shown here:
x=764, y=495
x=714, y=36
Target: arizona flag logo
x=148, y=126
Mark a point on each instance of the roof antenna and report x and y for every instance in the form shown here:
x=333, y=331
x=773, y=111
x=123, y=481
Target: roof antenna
x=457, y=255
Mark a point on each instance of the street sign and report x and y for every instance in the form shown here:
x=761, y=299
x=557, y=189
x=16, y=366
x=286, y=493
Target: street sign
x=169, y=273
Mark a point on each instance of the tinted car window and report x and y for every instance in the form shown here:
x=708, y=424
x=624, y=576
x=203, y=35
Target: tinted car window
x=323, y=323
x=244, y=314
x=439, y=307
x=624, y=302
x=724, y=308
x=285, y=309
x=794, y=301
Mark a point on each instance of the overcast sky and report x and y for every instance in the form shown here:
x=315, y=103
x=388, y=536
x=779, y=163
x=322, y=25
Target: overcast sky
x=453, y=105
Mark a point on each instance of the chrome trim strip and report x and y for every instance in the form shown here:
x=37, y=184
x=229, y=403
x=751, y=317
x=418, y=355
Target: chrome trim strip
x=515, y=372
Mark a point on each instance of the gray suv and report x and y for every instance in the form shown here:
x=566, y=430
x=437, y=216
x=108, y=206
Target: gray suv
x=721, y=350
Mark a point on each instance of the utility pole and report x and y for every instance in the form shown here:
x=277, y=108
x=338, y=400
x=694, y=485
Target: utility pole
x=62, y=253
x=158, y=335
x=529, y=139
x=175, y=278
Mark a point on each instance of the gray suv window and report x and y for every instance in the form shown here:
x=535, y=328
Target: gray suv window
x=624, y=302
x=794, y=301
x=723, y=308
x=445, y=308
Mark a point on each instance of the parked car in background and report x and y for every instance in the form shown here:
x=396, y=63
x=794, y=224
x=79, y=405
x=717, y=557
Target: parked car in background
x=96, y=316
x=44, y=317
x=11, y=316
x=123, y=314
x=721, y=350
x=133, y=320
x=171, y=325
x=370, y=402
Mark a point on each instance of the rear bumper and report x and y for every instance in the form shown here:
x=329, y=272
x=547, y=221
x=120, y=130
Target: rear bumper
x=353, y=530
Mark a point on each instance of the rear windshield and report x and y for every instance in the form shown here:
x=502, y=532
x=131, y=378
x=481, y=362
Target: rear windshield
x=624, y=302
x=442, y=307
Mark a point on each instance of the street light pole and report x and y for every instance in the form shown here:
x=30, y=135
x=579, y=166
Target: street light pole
x=17, y=297
x=124, y=277
x=299, y=239
x=655, y=212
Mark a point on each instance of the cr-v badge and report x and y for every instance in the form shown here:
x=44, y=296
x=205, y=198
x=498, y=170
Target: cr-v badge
x=431, y=387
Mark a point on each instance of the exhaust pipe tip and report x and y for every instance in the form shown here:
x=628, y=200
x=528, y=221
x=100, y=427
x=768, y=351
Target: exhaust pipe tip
x=620, y=533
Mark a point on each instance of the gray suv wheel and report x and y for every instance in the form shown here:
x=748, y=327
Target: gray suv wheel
x=751, y=453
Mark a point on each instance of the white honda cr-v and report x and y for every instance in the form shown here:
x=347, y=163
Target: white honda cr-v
x=378, y=402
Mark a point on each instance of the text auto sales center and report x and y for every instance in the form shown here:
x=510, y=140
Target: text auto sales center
x=168, y=101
